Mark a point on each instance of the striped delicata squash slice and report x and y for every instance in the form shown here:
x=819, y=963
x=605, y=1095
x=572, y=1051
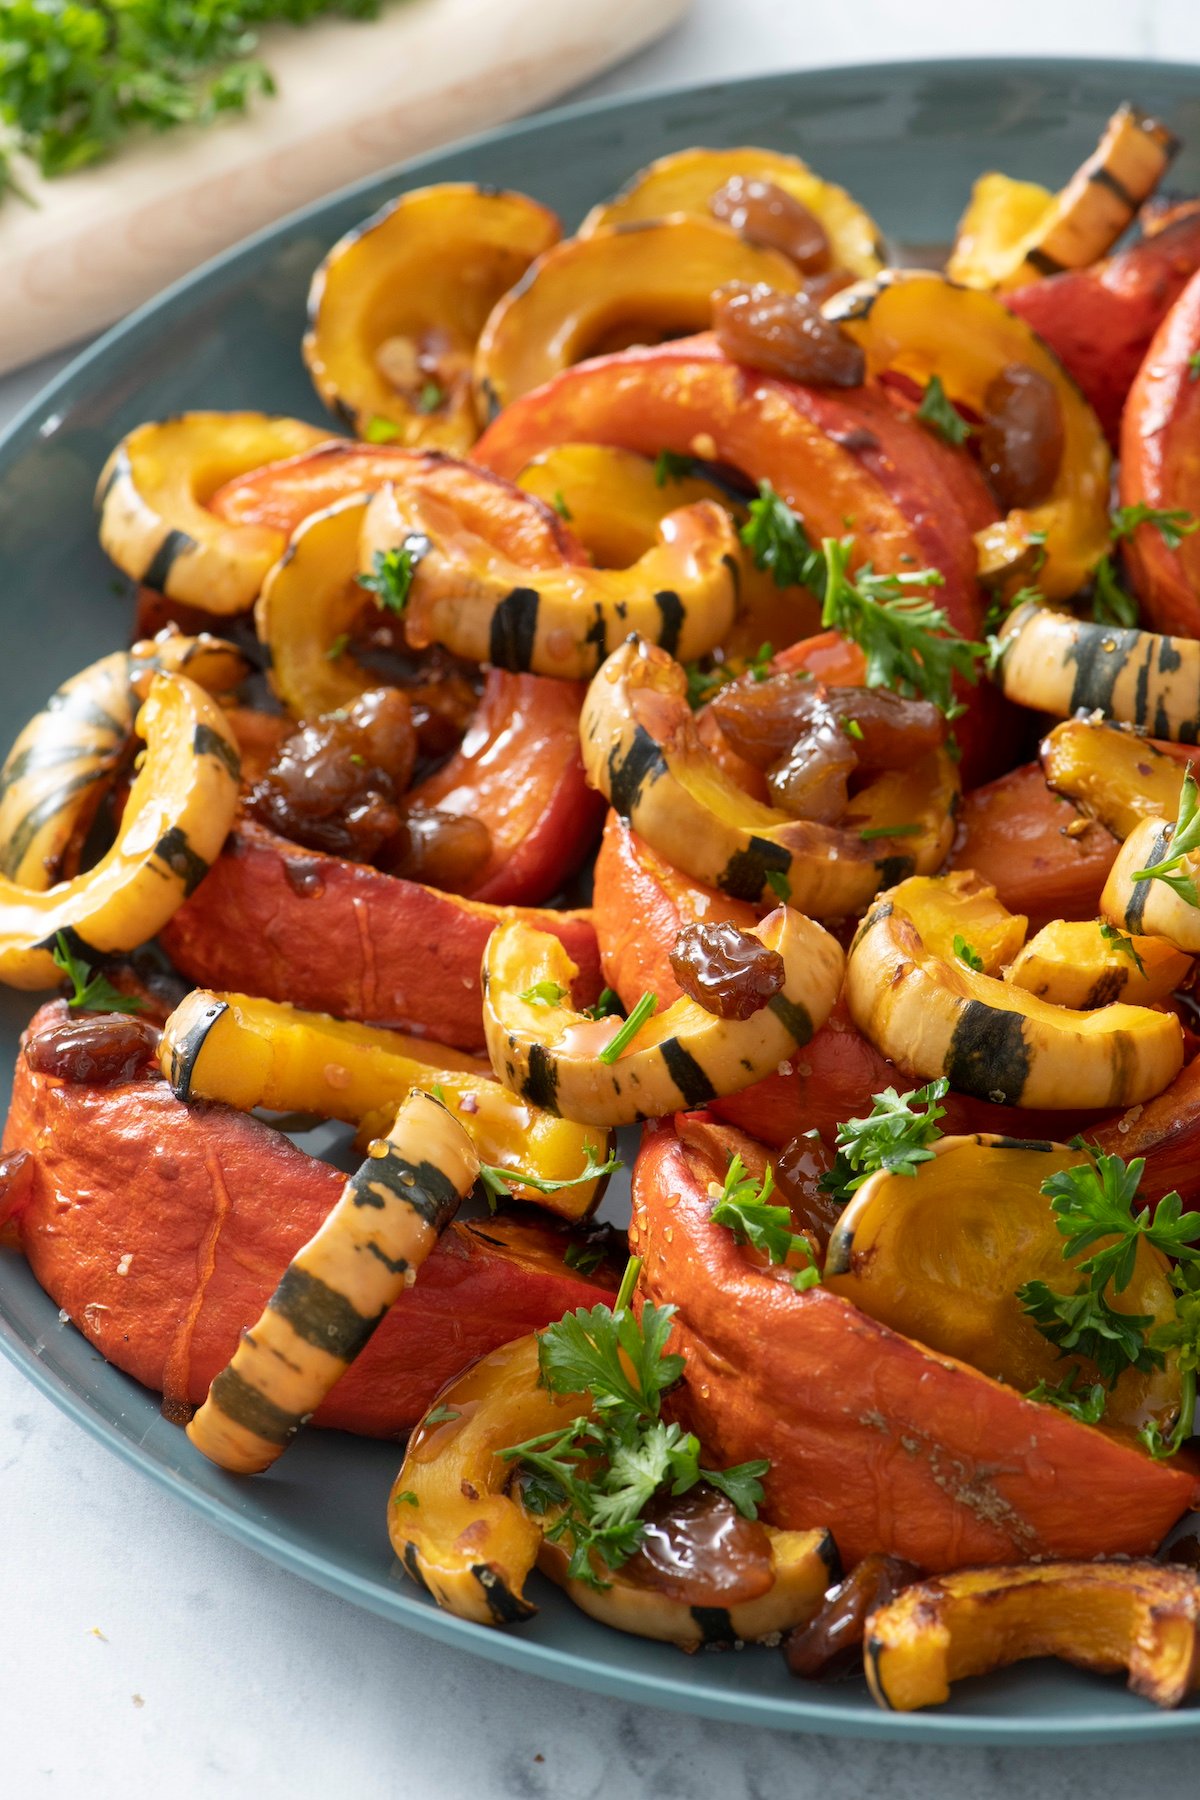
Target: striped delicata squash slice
x=249, y=1052
x=1015, y=231
x=64, y=762
x=1160, y=907
x=1112, y=773
x=555, y=619
x=689, y=180
x=1085, y=963
x=1059, y=664
x=935, y=1015
x=175, y=821
x=338, y=1288
x=154, y=518
x=642, y=749
x=682, y=1057
x=396, y=308
x=919, y=324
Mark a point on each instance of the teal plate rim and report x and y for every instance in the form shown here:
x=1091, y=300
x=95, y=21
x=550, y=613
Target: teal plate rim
x=1086, y=1710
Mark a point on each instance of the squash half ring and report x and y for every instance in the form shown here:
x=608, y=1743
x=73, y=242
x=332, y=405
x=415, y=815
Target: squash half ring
x=1059, y=664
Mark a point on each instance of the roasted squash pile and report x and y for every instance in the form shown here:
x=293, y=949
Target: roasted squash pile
x=799, y=585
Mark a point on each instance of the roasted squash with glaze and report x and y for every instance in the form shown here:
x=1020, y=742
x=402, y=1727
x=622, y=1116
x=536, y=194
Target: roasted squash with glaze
x=1102, y=1616
x=935, y=1016
x=153, y=500
x=1072, y=963
x=1057, y=663
x=680, y=1057
x=396, y=307
x=1112, y=773
x=1039, y=852
x=1151, y=908
x=338, y=1288
x=642, y=750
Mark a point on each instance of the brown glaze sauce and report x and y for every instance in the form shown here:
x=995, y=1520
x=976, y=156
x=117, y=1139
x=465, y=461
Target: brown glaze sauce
x=729, y=972
x=699, y=1549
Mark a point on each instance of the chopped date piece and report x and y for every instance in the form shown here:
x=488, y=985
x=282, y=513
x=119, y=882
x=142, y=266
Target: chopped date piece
x=1182, y=1542
x=728, y=972
x=785, y=334
x=764, y=719
x=813, y=780
x=830, y=1645
x=799, y=1167
x=99, y=1049
x=888, y=732
x=1021, y=438
x=442, y=849
x=699, y=1549
x=768, y=215
x=334, y=784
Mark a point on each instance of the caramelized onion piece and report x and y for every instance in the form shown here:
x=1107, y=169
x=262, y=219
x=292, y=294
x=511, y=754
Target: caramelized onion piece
x=726, y=971
x=1021, y=439
x=785, y=334
x=334, y=784
x=768, y=215
x=831, y=1644
x=699, y=1549
x=98, y=1049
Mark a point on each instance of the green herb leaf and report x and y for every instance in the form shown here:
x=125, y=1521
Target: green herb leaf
x=391, y=576
x=90, y=993
x=605, y=1007
x=967, y=954
x=1193, y=364
x=407, y=1498
x=431, y=396
x=1086, y=1406
x=560, y=506
x=779, y=885
x=1111, y=603
x=381, y=431
x=498, y=1183
x=871, y=832
x=852, y=728
x=545, y=993
x=744, y=1209
x=441, y=1415
x=1124, y=946
x=586, y=1258
x=669, y=465
x=338, y=646
x=896, y=1135
x=1174, y=522
x=937, y=412
x=1185, y=842
x=777, y=541
x=645, y=1009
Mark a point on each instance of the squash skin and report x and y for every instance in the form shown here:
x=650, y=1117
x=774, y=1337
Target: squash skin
x=1159, y=430
x=343, y=938
x=1060, y=664
x=1099, y=321
x=212, y=1204
x=1151, y=907
x=893, y=1448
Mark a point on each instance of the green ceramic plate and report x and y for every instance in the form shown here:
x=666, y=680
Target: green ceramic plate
x=907, y=139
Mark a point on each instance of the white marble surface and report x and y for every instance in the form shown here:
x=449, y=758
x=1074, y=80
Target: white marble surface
x=142, y=1653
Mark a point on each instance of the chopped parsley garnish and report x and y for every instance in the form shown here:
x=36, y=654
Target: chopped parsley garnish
x=90, y=993
x=585, y=1258
x=669, y=465
x=744, y=1209
x=852, y=728
x=1111, y=603
x=381, y=431
x=703, y=683
x=406, y=1498
x=560, y=506
x=1185, y=842
x=431, y=396
x=498, y=1183
x=1124, y=945
x=967, y=953
x=779, y=885
x=441, y=1415
x=545, y=993
x=1087, y=1405
x=608, y=1004
x=1174, y=522
x=937, y=411
x=645, y=1009
x=777, y=540
x=591, y=1481
x=338, y=646
x=870, y=832
x=391, y=577
x=896, y=1136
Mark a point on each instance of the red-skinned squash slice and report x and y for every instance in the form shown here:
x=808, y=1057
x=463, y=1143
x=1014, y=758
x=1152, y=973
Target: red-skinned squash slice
x=897, y=1449
x=1041, y=855
x=163, y=1229
x=343, y=938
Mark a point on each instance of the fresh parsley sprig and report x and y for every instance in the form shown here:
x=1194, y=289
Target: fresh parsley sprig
x=90, y=993
x=592, y=1480
x=1174, y=523
x=778, y=542
x=1185, y=842
x=744, y=1208
x=1086, y=1405
x=1122, y=944
x=1181, y=1335
x=1111, y=603
x=670, y=465
x=391, y=576
x=938, y=412
x=703, y=682
x=967, y=953
x=896, y=1135
x=545, y=993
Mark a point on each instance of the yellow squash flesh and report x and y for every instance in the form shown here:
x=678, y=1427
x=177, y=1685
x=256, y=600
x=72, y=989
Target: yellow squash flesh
x=1111, y=774
x=310, y=600
x=1071, y=963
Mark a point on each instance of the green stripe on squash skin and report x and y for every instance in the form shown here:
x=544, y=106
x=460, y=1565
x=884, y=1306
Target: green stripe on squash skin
x=249, y=1407
x=186, y=1047
x=157, y=573
x=988, y=1055
x=321, y=1316
x=504, y=1606
x=1057, y=663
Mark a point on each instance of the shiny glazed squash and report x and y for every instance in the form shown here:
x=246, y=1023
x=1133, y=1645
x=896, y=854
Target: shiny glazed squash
x=396, y=308
x=681, y=1057
x=175, y=820
x=626, y=284
x=919, y=325
x=939, y=1255
x=249, y=1052
x=1072, y=963
x=310, y=600
x=934, y=1015
x=338, y=1287
x=1102, y=1616
x=154, y=518
x=687, y=181
x=641, y=748
x=1151, y=908
x=1000, y=215
x=65, y=760
x=1059, y=664
x=468, y=595
x=1112, y=774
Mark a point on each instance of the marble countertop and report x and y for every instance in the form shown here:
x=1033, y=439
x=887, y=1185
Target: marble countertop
x=142, y=1653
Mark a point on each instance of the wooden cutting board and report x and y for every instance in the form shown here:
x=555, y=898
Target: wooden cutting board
x=353, y=97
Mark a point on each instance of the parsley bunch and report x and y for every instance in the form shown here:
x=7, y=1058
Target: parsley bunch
x=896, y=1136
x=1185, y=842
x=743, y=1208
x=90, y=993
x=592, y=1480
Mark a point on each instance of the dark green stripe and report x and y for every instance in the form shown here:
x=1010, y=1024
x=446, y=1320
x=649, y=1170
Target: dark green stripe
x=1108, y=988
x=630, y=775
x=670, y=608
x=320, y=1315
x=541, y=1079
x=157, y=573
x=892, y=870
x=597, y=635
x=1097, y=668
x=988, y=1055
x=174, y=850
x=502, y=1603
x=686, y=1073
x=1044, y=263
x=745, y=874
x=795, y=1018
x=830, y=1555
x=716, y=1627
x=1016, y=1143
x=185, y=1050
x=23, y=834
x=36, y=759
x=1136, y=910
x=873, y=1648
x=1101, y=176
x=207, y=741
x=423, y=1186
x=232, y=1394
x=514, y=629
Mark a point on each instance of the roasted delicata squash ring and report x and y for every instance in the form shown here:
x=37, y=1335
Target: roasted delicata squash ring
x=453, y=1526
x=687, y=181
x=1103, y=1616
x=63, y=763
x=249, y=1052
x=803, y=1564
x=310, y=600
x=1059, y=664
x=938, y=1255
x=615, y=501
x=626, y=284
x=154, y=521
x=468, y=595
x=641, y=748
x=1071, y=963
x=1014, y=232
x=397, y=306
x=920, y=325
x=1151, y=908
x=338, y=1288
x=179, y=810
x=1111, y=773
x=682, y=1057
x=935, y=1016
x=966, y=911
